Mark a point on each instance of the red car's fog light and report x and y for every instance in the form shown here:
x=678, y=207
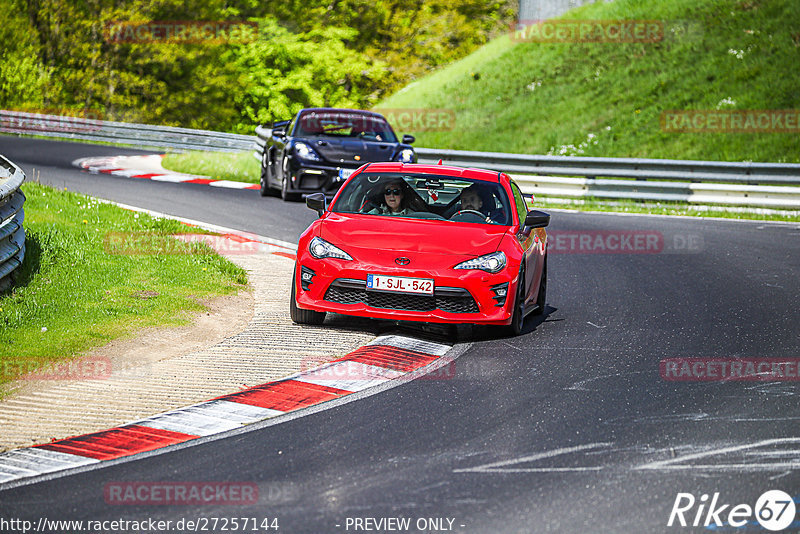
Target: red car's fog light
x=500, y=293
x=306, y=277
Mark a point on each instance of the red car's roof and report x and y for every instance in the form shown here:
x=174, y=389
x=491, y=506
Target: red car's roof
x=445, y=170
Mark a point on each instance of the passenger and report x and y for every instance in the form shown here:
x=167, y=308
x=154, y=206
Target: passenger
x=395, y=200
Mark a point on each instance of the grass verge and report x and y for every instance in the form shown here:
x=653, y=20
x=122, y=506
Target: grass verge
x=607, y=98
x=76, y=291
x=235, y=166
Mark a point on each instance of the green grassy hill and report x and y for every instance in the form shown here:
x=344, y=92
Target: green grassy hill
x=606, y=99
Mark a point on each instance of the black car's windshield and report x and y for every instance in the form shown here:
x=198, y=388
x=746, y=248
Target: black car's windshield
x=345, y=124
x=425, y=196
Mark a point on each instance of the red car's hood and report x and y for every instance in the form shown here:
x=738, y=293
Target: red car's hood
x=399, y=234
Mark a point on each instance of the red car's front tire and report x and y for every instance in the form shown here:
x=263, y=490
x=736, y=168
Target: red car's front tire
x=541, y=297
x=518, y=317
x=299, y=315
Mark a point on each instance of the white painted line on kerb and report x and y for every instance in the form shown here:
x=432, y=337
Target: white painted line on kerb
x=35, y=461
x=230, y=184
x=208, y=418
x=165, y=177
x=206, y=226
x=418, y=345
x=130, y=173
x=348, y=375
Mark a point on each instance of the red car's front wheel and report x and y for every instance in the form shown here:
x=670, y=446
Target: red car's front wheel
x=299, y=315
x=518, y=317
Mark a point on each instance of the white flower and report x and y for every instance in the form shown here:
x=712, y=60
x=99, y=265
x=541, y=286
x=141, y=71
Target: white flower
x=738, y=53
x=533, y=85
x=726, y=102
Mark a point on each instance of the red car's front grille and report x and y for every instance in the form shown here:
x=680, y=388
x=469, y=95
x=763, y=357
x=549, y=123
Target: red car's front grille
x=452, y=300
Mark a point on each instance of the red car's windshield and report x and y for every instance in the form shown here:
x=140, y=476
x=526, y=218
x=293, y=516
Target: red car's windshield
x=425, y=196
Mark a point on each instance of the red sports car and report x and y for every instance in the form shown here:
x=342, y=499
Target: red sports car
x=427, y=243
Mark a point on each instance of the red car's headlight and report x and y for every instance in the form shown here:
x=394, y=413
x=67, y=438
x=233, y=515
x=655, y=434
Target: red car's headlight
x=491, y=263
x=320, y=249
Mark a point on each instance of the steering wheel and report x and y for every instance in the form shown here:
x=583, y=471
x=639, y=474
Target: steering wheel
x=468, y=212
x=368, y=206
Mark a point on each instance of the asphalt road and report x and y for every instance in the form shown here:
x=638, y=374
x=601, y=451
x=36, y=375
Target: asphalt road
x=51, y=162
x=568, y=428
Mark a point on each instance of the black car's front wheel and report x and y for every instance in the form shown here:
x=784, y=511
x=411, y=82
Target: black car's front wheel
x=266, y=175
x=299, y=315
x=285, y=174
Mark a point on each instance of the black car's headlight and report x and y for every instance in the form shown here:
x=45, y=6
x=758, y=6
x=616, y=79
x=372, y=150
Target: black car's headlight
x=304, y=151
x=321, y=249
x=405, y=156
x=491, y=263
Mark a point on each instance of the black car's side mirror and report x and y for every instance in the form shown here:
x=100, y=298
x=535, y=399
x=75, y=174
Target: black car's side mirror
x=318, y=203
x=279, y=132
x=408, y=139
x=537, y=219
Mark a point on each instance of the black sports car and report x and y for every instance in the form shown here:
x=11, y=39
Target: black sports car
x=321, y=147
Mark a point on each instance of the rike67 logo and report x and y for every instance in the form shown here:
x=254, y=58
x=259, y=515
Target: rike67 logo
x=774, y=510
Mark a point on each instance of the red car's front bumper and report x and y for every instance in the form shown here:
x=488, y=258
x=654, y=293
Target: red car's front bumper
x=460, y=296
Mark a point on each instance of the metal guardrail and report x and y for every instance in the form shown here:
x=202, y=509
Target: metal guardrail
x=639, y=169
x=139, y=135
x=770, y=185
x=762, y=185
x=12, y=233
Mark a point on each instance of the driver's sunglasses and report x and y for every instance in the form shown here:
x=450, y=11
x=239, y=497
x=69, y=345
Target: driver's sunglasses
x=394, y=192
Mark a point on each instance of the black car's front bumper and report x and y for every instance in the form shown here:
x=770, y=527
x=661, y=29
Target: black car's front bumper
x=309, y=177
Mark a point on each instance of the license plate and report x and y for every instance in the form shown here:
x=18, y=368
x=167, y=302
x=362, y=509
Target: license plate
x=400, y=284
x=344, y=174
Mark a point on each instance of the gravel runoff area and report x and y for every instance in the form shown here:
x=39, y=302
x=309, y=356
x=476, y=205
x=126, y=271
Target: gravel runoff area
x=239, y=342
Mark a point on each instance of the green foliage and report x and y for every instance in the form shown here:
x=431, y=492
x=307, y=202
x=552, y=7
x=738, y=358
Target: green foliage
x=284, y=72
x=234, y=166
x=606, y=99
x=21, y=71
x=60, y=54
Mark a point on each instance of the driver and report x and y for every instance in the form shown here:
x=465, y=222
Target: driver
x=471, y=200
